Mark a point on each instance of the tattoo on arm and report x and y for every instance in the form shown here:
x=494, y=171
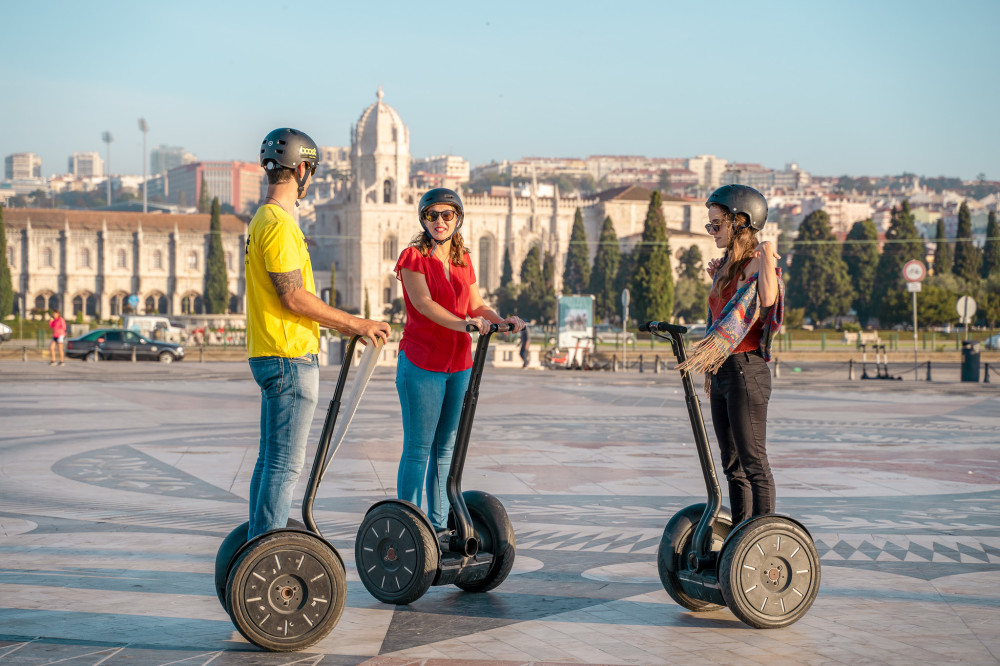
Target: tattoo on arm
x=286, y=283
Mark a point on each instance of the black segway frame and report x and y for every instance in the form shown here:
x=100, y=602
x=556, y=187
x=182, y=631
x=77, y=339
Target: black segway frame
x=285, y=590
x=766, y=569
x=398, y=554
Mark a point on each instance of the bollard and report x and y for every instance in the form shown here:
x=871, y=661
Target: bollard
x=928, y=370
x=640, y=363
x=850, y=370
x=822, y=341
x=614, y=363
x=201, y=354
x=986, y=378
x=656, y=365
x=24, y=354
x=133, y=353
x=777, y=369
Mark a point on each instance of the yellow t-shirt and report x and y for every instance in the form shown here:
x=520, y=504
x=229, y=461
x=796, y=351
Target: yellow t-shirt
x=275, y=244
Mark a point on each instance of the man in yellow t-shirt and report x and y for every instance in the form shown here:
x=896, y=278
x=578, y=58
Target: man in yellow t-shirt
x=283, y=319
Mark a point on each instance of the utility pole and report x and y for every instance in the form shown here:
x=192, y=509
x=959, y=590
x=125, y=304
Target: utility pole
x=107, y=138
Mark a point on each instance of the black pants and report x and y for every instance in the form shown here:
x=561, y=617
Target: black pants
x=740, y=392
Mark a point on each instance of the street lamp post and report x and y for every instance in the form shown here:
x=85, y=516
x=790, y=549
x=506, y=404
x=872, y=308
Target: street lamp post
x=107, y=138
x=143, y=128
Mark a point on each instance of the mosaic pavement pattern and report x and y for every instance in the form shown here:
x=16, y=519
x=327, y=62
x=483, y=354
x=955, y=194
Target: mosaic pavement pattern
x=115, y=494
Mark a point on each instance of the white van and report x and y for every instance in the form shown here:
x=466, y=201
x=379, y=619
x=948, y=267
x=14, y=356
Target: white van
x=158, y=327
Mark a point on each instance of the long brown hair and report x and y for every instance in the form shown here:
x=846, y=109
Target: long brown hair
x=424, y=243
x=739, y=249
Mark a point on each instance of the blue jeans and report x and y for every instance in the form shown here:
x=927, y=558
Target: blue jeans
x=431, y=403
x=289, y=391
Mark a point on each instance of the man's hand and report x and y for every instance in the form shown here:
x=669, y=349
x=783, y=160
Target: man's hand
x=370, y=330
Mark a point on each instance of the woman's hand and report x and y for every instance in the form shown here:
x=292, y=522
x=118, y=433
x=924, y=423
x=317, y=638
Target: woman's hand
x=516, y=322
x=480, y=322
x=713, y=266
x=766, y=253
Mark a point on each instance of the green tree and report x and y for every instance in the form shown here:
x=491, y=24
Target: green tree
x=216, y=281
x=942, y=251
x=903, y=244
x=547, y=298
x=935, y=302
x=395, y=309
x=602, y=278
x=6, y=282
x=204, y=205
x=653, y=280
x=818, y=279
x=990, y=305
x=968, y=257
x=532, y=285
x=860, y=254
x=991, y=252
x=368, y=306
x=691, y=292
x=506, y=294
x=576, y=275
x=663, y=181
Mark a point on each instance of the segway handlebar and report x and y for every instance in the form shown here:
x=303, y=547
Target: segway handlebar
x=494, y=328
x=663, y=327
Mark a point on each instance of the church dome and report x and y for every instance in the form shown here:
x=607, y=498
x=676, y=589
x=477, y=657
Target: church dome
x=380, y=129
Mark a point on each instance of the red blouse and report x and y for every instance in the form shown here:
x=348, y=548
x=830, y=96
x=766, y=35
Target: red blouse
x=428, y=345
x=751, y=342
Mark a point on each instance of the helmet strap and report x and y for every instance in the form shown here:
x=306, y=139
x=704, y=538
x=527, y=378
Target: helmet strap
x=301, y=183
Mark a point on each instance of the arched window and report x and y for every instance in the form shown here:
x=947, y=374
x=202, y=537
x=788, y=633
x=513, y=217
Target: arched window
x=387, y=290
x=234, y=304
x=122, y=259
x=156, y=260
x=192, y=304
x=47, y=257
x=90, y=306
x=387, y=191
x=41, y=302
x=117, y=304
x=84, y=257
x=79, y=303
x=390, y=249
x=192, y=260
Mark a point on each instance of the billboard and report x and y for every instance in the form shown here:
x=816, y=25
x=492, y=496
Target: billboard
x=575, y=320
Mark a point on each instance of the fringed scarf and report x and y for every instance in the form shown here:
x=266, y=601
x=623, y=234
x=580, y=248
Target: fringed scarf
x=725, y=334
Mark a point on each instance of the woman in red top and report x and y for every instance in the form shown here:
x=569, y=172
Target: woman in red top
x=741, y=387
x=435, y=358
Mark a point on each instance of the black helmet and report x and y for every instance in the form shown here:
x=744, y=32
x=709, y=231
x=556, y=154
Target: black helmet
x=440, y=195
x=742, y=199
x=287, y=147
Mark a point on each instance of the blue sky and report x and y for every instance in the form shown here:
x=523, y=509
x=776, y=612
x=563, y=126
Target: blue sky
x=862, y=88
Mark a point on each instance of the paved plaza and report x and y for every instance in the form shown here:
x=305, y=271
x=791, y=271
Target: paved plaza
x=118, y=482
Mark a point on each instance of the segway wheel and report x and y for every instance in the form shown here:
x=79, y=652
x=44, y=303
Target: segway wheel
x=677, y=542
x=769, y=572
x=496, y=536
x=227, y=551
x=286, y=590
x=396, y=554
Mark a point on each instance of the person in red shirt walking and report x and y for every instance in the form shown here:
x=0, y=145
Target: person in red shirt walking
x=435, y=357
x=58, y=326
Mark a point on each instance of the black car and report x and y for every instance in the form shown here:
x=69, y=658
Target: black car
x=117, y=344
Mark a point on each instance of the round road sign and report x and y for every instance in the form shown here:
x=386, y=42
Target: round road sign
x=914, y=271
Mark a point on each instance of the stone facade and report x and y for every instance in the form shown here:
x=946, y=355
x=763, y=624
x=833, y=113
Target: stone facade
x=365, y=226
x=92, y=261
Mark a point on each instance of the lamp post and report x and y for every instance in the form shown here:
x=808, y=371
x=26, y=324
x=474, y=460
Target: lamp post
x=143, y=128
x=107, y=138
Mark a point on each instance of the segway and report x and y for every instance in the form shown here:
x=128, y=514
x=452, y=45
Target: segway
x=285, y=590
x=766, y=569
x=398, y=554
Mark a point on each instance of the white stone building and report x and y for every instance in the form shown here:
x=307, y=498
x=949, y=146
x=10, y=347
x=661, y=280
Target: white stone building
x=362, y=230
x=93, y=261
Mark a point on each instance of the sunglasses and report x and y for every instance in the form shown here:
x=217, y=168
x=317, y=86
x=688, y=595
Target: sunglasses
x=713, y=228
x=446, y=215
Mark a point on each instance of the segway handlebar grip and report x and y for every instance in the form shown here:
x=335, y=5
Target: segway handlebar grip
x=663, y=327
x=503, y=328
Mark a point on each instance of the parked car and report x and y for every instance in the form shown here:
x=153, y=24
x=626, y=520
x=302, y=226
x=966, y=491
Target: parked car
x=992, y=342
x=116, y=344
x=611, y=334
x=5, y=333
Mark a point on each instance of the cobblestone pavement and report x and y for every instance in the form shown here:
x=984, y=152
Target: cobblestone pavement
x=118, y=482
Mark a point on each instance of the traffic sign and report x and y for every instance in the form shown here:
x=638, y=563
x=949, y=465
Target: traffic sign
x=625, y=297
x=914, y=271
x=914, y=286
x=966, y=307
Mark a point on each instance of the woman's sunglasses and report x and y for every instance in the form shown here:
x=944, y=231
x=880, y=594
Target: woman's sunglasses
x=446, y=215
x=713, y=228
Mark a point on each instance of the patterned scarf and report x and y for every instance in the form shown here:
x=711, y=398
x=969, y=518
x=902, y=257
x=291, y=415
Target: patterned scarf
x=725, y=334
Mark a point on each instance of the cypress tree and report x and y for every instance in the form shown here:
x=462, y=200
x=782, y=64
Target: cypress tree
x=532, y=285
x=967, y=256
x=204, y=205
x=818, y=280
x=903, y=244
x=691, y=293
x=547, y=298
x=506, y=293
x=860, y=254
x=602, y=278
x=368, y=306
x=653, y=279
x=991, y=252
x=6, y=282
x=216, y=281
x=942, y=253
x=576, y=275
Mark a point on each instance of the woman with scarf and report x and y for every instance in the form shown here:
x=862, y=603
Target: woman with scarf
x=746, y=308
x=435, y=354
